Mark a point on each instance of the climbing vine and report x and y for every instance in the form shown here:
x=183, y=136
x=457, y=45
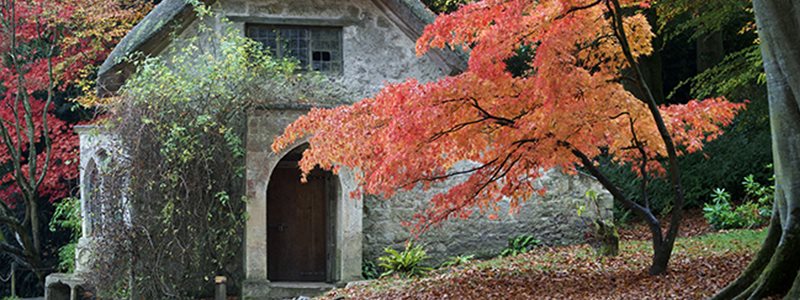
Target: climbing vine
x=178, y=124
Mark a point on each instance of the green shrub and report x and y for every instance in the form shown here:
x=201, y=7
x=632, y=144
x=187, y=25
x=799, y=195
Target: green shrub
x=760, y=193
x=457, y=260
x=369, y=270
x=407, y=263
x=519, y=245
x=754, y=211
x=67, y=216
x=721, y=214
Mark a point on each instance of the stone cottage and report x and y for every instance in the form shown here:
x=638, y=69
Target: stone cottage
x=304, y=238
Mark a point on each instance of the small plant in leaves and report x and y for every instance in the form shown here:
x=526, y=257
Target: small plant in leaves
x=754, y=211
x=520, y=244
x=406, y=263
x=458, y=260
x=369, y=270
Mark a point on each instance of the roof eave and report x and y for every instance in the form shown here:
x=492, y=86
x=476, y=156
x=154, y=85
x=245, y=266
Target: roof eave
x=150, y=36
x=170, y=17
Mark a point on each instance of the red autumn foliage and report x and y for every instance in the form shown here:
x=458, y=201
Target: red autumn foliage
x=76, y=36
x=571, y=99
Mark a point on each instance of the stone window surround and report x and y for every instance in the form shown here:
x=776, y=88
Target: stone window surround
x=96, y=146
x=313, y=52
x=241, y=23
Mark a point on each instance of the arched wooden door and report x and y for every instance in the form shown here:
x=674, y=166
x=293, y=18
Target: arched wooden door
x=299, y=243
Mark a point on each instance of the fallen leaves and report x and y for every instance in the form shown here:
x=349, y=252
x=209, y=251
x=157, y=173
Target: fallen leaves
x=700, y=266
x=693, y=224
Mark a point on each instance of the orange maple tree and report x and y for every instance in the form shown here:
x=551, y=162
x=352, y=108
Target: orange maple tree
x=570, y=106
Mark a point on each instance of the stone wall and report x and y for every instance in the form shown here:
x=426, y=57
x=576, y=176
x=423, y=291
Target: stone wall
x=552, y=218
x=375, y=50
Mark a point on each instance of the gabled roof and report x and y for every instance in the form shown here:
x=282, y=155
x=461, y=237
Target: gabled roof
x=152, y=34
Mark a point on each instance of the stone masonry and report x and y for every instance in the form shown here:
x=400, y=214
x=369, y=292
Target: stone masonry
x=552, y=218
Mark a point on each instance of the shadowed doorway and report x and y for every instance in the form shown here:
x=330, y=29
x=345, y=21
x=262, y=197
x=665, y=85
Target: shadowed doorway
x=299, y=222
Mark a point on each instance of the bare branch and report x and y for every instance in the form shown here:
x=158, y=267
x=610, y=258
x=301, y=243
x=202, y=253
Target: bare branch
x=499, y=120
x=8, y=248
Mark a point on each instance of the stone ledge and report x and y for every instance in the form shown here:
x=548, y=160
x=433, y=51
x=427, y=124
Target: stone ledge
x=255, y=289
x=252, y=290
x=60, y=286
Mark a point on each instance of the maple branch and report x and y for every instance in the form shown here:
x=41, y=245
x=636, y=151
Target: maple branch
x=499, y=120
x=497, y=174
x=643, y=165
x=45, y=128
x=455, y=128
x=645, y=213
x=617, y=116
x=10, y=28
x=486, y=116
x=674, y=171
x=579, y=8
x=448, y=175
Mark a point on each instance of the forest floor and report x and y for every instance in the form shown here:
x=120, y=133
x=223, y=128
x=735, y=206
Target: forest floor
x=704, y=261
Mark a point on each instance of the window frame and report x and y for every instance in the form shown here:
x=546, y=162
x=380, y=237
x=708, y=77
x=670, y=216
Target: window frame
x=310, y=52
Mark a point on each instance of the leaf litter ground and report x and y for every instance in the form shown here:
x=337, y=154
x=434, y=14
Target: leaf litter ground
x=703, y=262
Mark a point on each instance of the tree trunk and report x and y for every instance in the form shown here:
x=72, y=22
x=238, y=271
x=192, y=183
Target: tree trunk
x=758, y=264
x=710, y=51
x=652, y=66
x=778, y=23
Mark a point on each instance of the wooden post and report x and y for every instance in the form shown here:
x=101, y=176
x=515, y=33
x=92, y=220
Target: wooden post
x=13, y=279
x=220, y=291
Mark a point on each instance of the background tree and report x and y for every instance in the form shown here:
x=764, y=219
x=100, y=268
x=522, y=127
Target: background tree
x=444, y=6
x=567, y=107
x=775, y=268
x=48, y=47
x=739, y=76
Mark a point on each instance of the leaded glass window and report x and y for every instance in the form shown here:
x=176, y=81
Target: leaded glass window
x=316, y=48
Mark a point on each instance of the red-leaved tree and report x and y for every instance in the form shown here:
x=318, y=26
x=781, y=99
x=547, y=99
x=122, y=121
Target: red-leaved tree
x=569, y=107
x=47, y=46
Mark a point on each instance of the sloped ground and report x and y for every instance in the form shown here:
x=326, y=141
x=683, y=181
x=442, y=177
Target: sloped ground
x=701, y=264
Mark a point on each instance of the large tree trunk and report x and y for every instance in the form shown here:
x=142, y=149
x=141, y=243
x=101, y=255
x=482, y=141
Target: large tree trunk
x=778, y=24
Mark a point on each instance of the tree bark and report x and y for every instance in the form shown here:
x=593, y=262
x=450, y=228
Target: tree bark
x=652, y=65
x=664, y=251
x=778, y=23
x=710, y=51
x=758, y=264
